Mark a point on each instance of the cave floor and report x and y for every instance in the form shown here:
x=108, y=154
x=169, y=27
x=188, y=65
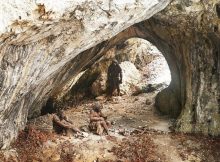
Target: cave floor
x=139, y=134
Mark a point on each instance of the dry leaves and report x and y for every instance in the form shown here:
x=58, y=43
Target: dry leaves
x=138, y=149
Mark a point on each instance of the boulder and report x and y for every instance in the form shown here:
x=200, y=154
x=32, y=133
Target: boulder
x=130, y=77
x=167, y=103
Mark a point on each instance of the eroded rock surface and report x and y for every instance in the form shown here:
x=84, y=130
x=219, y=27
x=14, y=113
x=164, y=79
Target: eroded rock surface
x=45, y=44
x=40, y=41
x=189, y=36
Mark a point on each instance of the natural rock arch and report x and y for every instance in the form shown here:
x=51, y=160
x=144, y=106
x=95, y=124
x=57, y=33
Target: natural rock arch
x=194, y=89
x=39, y=40
x=189, y=42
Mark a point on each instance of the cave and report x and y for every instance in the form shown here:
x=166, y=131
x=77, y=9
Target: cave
x=144, y=70
x=147, y=60
x=44, y=48
x=218, y=10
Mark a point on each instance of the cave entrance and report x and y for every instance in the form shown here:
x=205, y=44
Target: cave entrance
x=144, y=69
x=145, y=73
x=152, y=71
x=143, y=66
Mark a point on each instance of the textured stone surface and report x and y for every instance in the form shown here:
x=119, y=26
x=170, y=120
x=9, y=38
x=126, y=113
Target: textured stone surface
x=188, y=36
x=39, y=44
x=167, y=103
x=131, y=77
x=40, y=52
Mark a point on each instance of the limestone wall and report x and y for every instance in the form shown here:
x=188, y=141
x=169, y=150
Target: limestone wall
x=38, y=41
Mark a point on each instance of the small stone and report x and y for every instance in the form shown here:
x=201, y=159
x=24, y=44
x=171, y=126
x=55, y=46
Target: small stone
x=55, y=157
x=85, y=134
x=100, y=98
x=113, y=123
x=148, y=102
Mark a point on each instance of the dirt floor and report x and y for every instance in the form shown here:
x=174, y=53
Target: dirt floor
x=139, y=134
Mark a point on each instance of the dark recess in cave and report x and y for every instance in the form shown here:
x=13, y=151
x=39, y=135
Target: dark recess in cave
x=219, y=105
x=121, y=45
x=79, y=88
x=49, y=108
x=218, y=10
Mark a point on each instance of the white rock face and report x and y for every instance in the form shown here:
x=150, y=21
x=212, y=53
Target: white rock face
x=130, y=77
x=93, y=14
x=38, y=38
